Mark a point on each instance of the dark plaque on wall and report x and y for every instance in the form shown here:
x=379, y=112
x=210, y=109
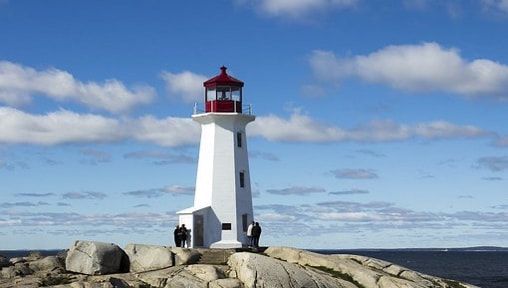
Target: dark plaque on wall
x=226, y=226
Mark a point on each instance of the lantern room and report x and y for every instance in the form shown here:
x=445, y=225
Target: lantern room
x=223, y=93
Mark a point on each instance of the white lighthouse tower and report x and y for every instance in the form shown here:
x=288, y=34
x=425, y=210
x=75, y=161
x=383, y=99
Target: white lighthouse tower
x=222, y=207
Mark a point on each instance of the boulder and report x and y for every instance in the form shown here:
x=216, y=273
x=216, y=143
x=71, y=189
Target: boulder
x=256, y=270
x=185, y=256
x=94, y=258
x=48, y=263
x=16, y=260
x=148, y=257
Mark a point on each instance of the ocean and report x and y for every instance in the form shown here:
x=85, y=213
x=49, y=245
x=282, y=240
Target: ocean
x=486, y=269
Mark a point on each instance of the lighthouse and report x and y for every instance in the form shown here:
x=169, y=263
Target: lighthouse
x=222, y=207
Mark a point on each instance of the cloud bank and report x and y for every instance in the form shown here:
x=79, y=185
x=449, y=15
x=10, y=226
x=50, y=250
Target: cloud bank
x=19, y=84
x=63, y=127
x=417, y=68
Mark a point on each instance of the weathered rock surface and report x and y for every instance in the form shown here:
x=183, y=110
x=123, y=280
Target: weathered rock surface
x=256, y=270
x=49, y=263
x=185, y=256
x=197, y=276
x=94, y=258
x=364, y=271
x=19, y=269
x=16, y=260
x=144, y=258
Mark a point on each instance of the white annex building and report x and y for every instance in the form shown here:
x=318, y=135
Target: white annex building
x=222, y=207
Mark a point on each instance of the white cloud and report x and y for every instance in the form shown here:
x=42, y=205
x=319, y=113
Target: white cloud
x=63, y=126
x=18, y=84
x=296, y=8
x=501, y=5
x=170, y=131
x=425, y=67
x=302, y=128
x=187, y=86
x=56, y=127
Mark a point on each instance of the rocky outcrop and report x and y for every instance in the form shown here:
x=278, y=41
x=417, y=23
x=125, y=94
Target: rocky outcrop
x=362, y=271
x=198, y=276
x=158, y=266
x=144, y=258
x=256, y=270
x=94, y=258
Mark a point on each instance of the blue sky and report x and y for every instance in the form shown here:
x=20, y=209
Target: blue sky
x=379, y=123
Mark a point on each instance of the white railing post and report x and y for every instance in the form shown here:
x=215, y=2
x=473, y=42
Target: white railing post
x=195, y=108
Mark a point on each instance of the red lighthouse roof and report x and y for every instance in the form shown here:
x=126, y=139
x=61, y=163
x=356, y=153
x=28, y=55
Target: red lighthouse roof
x=223, y=79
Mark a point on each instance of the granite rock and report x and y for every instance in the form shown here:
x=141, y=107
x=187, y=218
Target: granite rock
x=94, y=258
x=148, y=257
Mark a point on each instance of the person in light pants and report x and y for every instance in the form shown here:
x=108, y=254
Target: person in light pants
x=249, y=234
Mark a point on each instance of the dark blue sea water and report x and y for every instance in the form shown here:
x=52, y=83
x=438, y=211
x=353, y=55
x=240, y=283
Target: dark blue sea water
x=487, y=269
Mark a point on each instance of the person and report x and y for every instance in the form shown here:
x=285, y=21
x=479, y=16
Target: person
x=183, y=236
x=176, y=235
x=249, y=234
x=256, y=233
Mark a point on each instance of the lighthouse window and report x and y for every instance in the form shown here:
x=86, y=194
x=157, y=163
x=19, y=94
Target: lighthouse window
x=223, y=93
x=210, y=94
x=239, y=139
x=242, y=179
x=236, y=93
x=226, y=226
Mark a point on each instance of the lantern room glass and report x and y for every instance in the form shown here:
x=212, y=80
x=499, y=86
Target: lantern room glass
x=224, y=93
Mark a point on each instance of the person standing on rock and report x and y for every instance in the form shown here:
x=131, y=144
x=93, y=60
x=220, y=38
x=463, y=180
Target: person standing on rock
x=249, y=234
x=176, y=235
x=256, y=233
x=183, y=236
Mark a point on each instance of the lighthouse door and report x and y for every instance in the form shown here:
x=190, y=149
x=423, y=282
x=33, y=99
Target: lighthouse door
x=198, y=231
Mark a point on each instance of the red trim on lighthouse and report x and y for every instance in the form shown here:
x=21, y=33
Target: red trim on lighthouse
x=223, y=79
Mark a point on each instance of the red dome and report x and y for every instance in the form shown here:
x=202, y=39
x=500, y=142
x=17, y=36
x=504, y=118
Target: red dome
x=223, y=79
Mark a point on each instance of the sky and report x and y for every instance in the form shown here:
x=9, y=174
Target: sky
x=379, y=124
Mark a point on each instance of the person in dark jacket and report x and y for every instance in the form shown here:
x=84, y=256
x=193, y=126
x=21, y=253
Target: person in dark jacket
x=183, y=236
x=256, y=233
x=176, y=235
